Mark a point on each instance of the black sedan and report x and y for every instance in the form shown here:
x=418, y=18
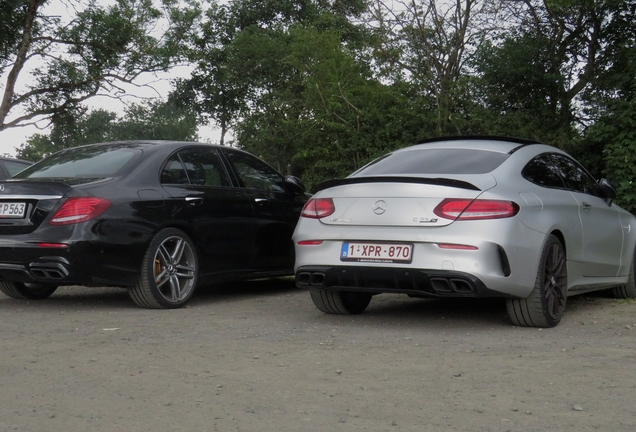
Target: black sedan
x=156, y=217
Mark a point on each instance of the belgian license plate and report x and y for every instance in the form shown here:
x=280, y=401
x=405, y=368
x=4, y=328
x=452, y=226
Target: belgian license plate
x=12, y=210
x=376, y=252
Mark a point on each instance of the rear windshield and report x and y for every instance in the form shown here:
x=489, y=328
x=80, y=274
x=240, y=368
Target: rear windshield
x=435, y=161
x=83, y=162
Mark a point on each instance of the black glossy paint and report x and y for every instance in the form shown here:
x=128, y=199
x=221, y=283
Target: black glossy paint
x=238, y=231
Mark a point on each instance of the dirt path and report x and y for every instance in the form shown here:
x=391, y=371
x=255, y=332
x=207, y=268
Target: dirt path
x=260, y=357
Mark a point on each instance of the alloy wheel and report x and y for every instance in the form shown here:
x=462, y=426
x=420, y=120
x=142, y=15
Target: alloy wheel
x=174, y=269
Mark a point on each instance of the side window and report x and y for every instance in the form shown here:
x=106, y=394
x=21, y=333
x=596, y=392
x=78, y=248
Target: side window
x=575, y=176
x=543, y=172
x=173, y=172
x=197, y=166
x=204, y=167
x=254, y=173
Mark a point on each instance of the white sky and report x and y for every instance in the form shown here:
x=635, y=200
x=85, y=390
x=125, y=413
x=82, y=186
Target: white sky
x=12, y=138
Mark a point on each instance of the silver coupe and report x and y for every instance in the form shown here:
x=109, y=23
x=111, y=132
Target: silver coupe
x=467, y=217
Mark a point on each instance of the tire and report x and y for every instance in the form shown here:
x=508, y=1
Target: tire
x=627, y=291
x=169, y=272
x=29, y=291
x=340, y=302
x=545, y=305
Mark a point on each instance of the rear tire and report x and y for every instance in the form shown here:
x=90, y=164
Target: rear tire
x=169, y=272
x=627, y=291
x=545, y=305
x=340, y=302
x=29, y=291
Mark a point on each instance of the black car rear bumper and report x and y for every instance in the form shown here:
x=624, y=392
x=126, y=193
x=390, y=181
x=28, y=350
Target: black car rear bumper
x=81, y=263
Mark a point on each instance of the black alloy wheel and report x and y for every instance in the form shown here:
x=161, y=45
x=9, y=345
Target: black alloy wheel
x=340, y=302
x=545, y=305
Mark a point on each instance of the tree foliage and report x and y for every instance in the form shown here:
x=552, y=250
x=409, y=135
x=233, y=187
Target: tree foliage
x=152, y=120
x=51, y=65
x=288, y=78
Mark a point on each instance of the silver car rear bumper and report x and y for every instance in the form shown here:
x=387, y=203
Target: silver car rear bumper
x=414, y=282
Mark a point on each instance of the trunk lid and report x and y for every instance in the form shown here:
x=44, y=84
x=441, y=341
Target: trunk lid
x=25, y=204
x=397, y=201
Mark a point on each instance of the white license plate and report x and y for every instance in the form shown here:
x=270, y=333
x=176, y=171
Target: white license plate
x=376, y=252
x=12, y=210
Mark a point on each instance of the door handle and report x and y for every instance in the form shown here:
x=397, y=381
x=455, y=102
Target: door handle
x=261, y=201
x=586, y=205
x=194, y=200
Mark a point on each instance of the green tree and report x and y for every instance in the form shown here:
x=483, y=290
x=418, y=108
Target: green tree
x=535, y=81
x=615, y=132
x=330, y=116
x=429, y=44
x=234, y=58
x=611, y=103
x=152, y=120
x=100, y=50
x=261, y=70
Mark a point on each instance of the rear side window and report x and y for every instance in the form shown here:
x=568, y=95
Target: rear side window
x=435, y=161
x=542, y=171
x=558, y=171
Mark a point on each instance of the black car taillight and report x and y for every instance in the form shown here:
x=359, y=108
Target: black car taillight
x=79, y=209
x=467, y=209
x=317, y=208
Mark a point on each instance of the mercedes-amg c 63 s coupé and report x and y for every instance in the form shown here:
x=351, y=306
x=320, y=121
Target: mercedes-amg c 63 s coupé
x=467, y=217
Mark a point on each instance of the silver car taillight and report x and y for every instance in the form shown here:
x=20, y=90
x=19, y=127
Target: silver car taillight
x=467, y=209
x=317, y=208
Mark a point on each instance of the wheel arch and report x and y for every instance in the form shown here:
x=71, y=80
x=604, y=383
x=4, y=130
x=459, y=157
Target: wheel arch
x=559, y=235
x=187, y=229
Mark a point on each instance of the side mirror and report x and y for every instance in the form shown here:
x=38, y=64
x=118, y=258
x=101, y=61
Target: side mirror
x=296, y=184
x=607, y=189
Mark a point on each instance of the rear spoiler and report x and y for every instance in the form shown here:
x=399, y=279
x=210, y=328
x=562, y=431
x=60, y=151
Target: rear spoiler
x=394, y=179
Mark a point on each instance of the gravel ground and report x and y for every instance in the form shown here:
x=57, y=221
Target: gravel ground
x=259, y=356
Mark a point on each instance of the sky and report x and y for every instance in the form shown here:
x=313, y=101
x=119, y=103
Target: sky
x=12, y=138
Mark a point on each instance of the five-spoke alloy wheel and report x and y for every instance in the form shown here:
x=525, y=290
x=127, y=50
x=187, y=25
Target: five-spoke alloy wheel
x=168, y=272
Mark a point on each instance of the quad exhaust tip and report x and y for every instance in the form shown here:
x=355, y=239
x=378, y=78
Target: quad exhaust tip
x=315, y=279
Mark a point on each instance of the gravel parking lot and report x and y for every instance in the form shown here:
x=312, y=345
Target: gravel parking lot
x=259, y=356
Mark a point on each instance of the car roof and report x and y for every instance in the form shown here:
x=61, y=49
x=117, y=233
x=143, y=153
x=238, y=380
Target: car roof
x=144, y=143
x=486, y=143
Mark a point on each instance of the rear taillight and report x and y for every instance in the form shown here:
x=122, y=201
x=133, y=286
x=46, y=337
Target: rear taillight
x=466, y=209
x=317, y=208
x=79, y=209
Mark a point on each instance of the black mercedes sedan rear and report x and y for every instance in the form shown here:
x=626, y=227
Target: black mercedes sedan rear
x=158, y=218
